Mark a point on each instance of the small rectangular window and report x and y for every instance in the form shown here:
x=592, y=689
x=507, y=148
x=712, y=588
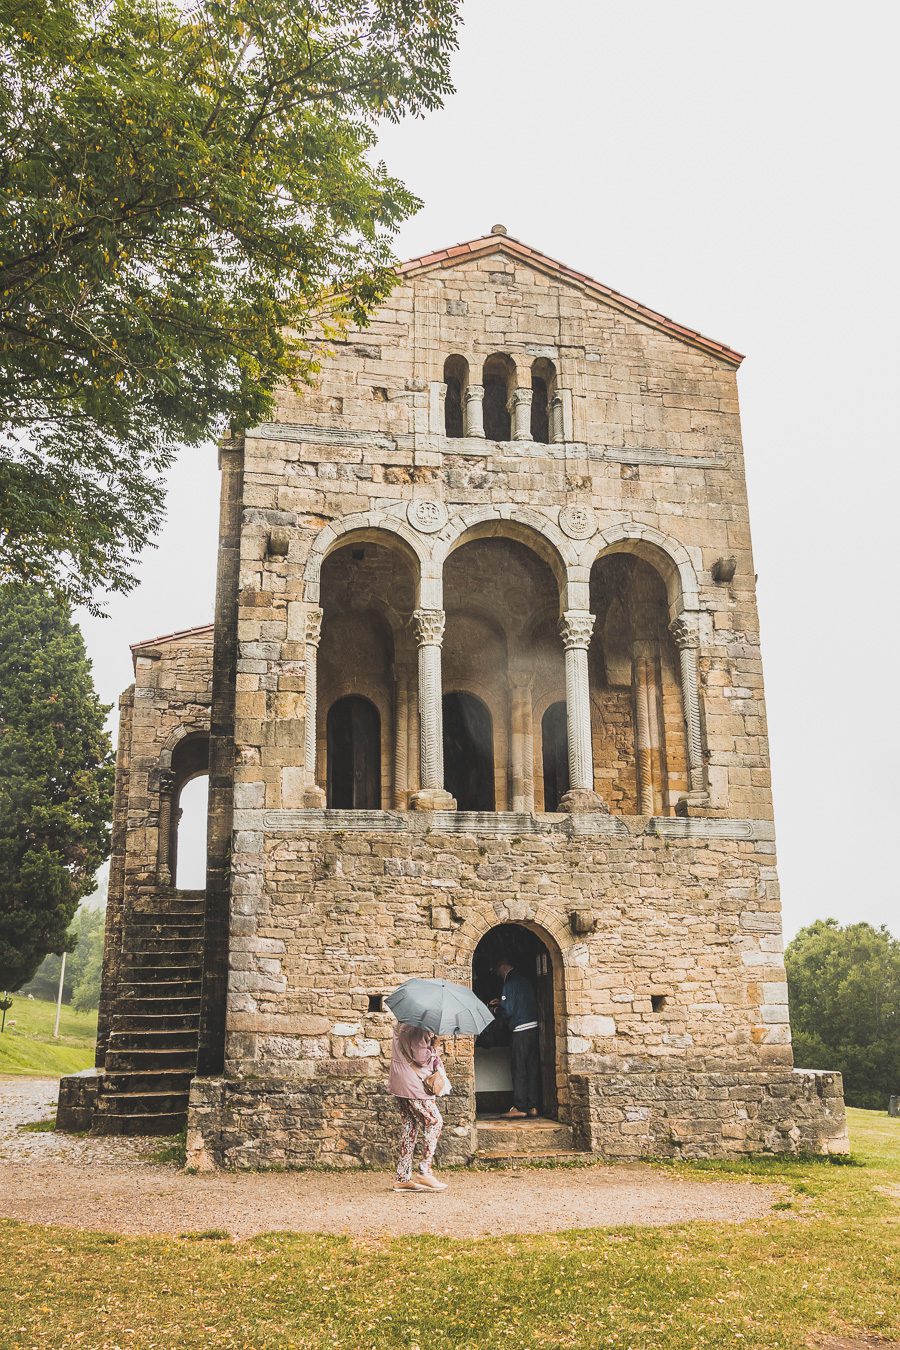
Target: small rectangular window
x=376, y=1003
x=657, y=1002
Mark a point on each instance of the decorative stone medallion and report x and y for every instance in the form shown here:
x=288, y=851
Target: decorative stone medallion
x=578, y=522
x=426, y=516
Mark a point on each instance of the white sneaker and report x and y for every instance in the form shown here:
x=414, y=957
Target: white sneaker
x=414, y=1184
x=430, y=1182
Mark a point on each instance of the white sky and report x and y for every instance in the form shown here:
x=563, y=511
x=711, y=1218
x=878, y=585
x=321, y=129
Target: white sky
x=733, y=166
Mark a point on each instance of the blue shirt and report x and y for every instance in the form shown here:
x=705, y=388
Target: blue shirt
x=518, y=1002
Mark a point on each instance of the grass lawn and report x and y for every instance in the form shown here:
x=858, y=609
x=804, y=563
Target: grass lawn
x=27, y=1045
x=824, y=1263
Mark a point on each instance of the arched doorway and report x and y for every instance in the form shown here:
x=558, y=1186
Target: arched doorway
x=555, y=748
x=530, y=956
x=468, y=752
x=354, y=755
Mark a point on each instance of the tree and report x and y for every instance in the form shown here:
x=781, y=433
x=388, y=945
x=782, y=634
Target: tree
x=844, y=987
x=185, y=191
x=84, y=964
x=56, y=779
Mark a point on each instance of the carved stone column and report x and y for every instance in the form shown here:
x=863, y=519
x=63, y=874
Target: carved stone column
x=520, y=410
x=428, y=627
x=165, y=870
x=685, y=632
x=575, y=629
x=474, y=410
x=642, y=663
x=522, y=742
x=313, y=795
x=557, y=419
x=401, y=739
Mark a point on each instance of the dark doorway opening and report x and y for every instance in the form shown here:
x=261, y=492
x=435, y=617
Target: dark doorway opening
x=354, y=755
x=555, y=750
x=530, y=957
x=540, y=410
x=468, y=752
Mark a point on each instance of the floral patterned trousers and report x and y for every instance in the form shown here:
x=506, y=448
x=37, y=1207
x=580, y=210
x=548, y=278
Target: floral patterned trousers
x=417, y=1114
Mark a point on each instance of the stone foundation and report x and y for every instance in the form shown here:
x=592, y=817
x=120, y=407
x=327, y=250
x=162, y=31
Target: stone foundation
x=709, y=1115
x=336, y=1124
x=78, y=1093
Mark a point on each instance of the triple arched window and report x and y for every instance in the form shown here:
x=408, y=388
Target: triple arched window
x=508, y=404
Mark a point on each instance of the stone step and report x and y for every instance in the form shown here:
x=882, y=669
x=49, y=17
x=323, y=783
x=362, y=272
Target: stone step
x=175, y=1001
x=180, y=1058
x=165, y=946
x=163, y=1122
x=150, y=1083
x=139, y=964
x=168, y=988
x=139, y=1025
x=145, y=1102
x=496, y=1139
x=174, y=1038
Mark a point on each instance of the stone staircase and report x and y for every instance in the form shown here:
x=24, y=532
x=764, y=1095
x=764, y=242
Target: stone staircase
x=500, y=1141
x=152, y=1053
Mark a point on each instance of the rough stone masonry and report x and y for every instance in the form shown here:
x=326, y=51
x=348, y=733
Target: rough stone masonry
x=484, y=669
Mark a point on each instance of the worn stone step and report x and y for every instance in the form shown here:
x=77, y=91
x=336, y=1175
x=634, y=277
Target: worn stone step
x=164, y=1122
x=138, y=964
x=151, y=1058
x=131, y=1048
x=523, y=1138
x=153, y=1023
x=148, y=1004
x=136, y=1082
x=166, y=946
x=141, y=1103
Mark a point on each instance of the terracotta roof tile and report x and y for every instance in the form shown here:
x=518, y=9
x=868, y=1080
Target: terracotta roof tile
x=504, y=243
x=169, y=637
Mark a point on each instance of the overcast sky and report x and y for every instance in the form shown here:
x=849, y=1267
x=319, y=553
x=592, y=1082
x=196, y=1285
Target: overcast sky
x=733, y=166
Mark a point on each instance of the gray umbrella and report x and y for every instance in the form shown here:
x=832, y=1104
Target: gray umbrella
x=439, y=1006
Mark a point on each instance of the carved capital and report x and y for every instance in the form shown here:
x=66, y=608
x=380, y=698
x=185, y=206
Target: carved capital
x=428, y=627
x=575, y=629
x=313, y=626
x=474, y=393
x=520, y=398
x=685, y=630
x=166, y=781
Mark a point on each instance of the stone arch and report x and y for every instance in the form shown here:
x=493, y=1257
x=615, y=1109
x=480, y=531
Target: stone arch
x=176, y=736
x=364, y=527
x=670, y=559
x=525, y=526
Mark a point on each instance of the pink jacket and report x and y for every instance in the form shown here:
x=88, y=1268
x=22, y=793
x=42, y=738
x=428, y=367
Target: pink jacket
x=412, y=1059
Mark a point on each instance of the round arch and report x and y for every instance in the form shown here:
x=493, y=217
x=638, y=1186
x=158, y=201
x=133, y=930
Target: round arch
x=372, y=527
x=526, y=527
x=669, y=558
x=176, y=736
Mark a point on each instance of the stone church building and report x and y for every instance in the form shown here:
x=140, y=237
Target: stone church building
x=484, y=679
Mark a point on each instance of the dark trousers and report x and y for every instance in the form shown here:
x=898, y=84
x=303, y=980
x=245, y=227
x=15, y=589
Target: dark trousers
x=526, y=1069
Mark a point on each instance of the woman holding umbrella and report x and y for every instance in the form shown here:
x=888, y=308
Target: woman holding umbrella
x=424, y=1009
x=414, y=1061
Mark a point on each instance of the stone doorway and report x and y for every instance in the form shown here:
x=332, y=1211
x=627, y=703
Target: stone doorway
x=531, y=957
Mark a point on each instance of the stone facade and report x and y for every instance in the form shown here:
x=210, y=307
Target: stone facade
x=486, y=660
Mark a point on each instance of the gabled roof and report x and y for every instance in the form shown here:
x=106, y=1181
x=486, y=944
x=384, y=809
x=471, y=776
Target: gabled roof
x=498, y=241
x=204, y=630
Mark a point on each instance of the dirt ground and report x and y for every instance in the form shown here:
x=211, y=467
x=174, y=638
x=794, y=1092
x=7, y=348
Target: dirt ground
x=113, y=1185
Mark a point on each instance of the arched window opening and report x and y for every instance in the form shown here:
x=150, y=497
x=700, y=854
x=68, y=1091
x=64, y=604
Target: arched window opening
x=354, y=755
x=468, y=752
x=190, y=853
x=640, y=750
x=531, y=962
x=543, y=387
x=499, y=374
x=456, y=378
x=555, y=750
x=183, y=813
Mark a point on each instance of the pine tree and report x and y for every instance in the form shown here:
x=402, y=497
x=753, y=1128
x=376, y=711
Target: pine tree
x=56, y=778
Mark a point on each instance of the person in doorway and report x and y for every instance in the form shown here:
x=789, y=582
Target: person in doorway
x=415, y=1056
x=519, y=1006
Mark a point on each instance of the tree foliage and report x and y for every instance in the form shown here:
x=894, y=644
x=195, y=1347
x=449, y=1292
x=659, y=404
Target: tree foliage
x=56, y=779
x=185, y=190
x=844, y=988
x=84, y=964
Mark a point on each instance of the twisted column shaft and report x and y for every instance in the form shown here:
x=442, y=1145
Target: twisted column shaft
x=575, y=628
x=428, y=626
x=313, y=634
x=684, y=630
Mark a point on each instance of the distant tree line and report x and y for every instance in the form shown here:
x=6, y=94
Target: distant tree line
x=84, y=965
x=844, y=988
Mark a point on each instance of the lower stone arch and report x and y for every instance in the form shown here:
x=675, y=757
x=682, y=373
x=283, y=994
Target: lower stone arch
x=535, y=954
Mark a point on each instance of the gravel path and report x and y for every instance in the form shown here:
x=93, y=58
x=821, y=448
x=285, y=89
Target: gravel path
x=113, y=1186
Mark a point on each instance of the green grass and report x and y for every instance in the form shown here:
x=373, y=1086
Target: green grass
x=27, y=1045
x=828, y=1265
